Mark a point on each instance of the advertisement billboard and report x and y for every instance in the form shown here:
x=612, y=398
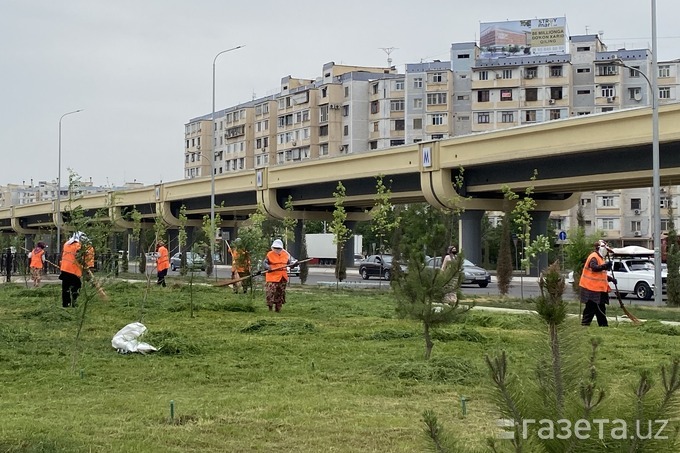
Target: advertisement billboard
x=523, y=37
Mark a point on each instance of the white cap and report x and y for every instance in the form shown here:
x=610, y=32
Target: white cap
x=277, y=244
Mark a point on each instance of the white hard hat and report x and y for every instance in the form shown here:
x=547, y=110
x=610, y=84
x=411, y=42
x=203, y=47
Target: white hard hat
x=277, y=244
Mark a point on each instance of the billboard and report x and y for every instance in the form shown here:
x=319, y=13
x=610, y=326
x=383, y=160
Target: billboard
x=523, y=37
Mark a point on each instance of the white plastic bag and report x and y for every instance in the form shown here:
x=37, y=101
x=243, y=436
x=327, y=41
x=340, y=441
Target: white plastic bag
x=126, y=339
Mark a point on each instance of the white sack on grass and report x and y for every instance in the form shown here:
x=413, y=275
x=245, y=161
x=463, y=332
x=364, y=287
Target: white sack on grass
x=126, y=339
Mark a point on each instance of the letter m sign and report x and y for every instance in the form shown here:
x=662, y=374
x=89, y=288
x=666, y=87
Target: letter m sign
x=427, y=156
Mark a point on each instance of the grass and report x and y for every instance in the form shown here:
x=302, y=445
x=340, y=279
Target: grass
x=335, y=371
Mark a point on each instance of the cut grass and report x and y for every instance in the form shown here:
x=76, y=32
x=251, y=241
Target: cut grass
x=335, y=371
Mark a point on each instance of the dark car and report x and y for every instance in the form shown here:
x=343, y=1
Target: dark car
x=194, y=261
x=377, y=266
x=473, y=274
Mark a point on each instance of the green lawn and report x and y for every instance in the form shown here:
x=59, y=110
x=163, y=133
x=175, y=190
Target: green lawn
x=335, y=371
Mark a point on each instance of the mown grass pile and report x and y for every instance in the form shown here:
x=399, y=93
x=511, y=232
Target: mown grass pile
x=335, y=371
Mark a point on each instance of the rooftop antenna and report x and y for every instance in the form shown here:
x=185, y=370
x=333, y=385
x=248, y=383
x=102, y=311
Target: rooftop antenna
x=388, y=51
x=586, y=29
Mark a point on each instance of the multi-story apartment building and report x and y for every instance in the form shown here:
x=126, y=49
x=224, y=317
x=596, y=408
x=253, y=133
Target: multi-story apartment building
x=352, y=109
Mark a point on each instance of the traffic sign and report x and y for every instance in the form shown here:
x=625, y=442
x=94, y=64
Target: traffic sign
x=562, y=236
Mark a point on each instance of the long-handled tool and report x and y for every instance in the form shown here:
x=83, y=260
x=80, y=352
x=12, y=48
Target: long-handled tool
x=628, y=314
x=236, y=280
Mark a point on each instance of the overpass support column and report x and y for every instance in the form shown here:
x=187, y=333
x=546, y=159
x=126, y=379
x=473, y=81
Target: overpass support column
x=539, y=225
x=470, y=241
x=348, y=253
x=295, y=248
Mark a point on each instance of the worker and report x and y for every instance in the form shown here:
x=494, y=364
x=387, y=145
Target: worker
x=162, y=262
x=275, y=264
x=71, y=267
x=37, y=263
x=595, y=285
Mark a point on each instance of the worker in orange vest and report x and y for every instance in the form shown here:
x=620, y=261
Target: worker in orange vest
x=594, y=285
x=71, y=266
x=275, y=264
x=162, y=262
x=240, y=266
x=37, y=263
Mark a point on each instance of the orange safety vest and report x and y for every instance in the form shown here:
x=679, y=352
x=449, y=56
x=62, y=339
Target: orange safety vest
x=69, y=259
x=89, y=256
x=277, y=261
x=36, y=259
x=591, y=280
x=163, y=261
x=237, y=266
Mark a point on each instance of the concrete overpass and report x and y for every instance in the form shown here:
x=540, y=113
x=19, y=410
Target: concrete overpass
x=594, y=152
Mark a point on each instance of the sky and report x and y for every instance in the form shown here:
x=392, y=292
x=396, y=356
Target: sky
x=141, y=69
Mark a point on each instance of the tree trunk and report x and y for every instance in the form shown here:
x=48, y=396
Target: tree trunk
x=428, y=341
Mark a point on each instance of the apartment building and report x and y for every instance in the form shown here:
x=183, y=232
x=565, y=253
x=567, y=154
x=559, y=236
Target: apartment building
x=354, y=109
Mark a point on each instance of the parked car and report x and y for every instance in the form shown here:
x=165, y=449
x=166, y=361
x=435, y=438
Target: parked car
x=194, y=261
x=294, y=271
x=473, y=274
x=358, y=258
x=151, y=257
x=377, y=266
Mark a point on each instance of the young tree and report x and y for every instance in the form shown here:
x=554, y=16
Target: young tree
x=340, y=232
x=289, y=222
x=208, y=230
x=304, y=268
x=182, y=239
x=383, y=220
x=253, y=239
x=504, y=265
x=673, y=261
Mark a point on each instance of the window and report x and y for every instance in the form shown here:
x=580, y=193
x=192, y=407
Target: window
x=345, y=110
x=399, y=85
x=635, y=225
x=376, y=126
x=607, y=109
x=607, y=224
x=607, y=70
x=396, y=142
x=375, y=107
x=664, y=93
x=555, y=71
x=417, y=123
x=438, y=119
x=483, y=96
x=375, y=88
x=436, y=77
x=506, y=95
x=418, y=82
x=507, y=73
x=665, y=224
x=507, y=117
x=607, y=91
x=583, y=49
x=585, y=201
x=483, y=75
x=483, y=118
x=323, y=131
x=373, y=144
x=436, y=99
x=530, y=116
x=665, y=202
x=397, y=105
x=398, y=125
x=323, y=113
x=463, y=55
x=555, y=114
x=608, y=201
x=582, y=91
x=582, y=70
x=418, y=103
x=634, y=71
x=531, y=94
x=664, y=70
x=635, y=203
x=437, y=136
x=346, y=92
x=555, y=92
x=635, y=93
x=531, y=73
x=463, y=97
x=323, y=149
x=345, y=130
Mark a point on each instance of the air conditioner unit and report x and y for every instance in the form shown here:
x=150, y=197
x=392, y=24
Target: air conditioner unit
x=637, y=234
x=551, y=101
x=610, y=100
x=637, y=96
x=637, y=212
x=530, y=76
x=499, y=76
x=198, y=146
x=294, y=143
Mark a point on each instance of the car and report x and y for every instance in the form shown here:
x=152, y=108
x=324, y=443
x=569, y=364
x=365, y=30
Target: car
x=151, y=257
x=378, y=266
x=194, y=261
x=473, y=274
x=358, y=258
x=293, y=271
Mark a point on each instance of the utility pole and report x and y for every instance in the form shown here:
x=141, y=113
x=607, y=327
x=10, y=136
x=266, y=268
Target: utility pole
x=388, y=51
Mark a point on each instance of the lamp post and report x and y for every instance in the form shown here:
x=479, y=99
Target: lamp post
x=59, y=182
x=212, y=159
x=656, y=179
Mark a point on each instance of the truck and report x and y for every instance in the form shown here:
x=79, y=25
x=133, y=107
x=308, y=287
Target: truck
x=322, y=250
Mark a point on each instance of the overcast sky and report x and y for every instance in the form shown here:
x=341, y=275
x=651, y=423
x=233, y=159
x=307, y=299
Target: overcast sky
x=141, y=69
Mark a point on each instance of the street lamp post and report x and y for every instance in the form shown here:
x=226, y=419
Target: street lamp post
x=656, y=179
x=212, y=160
x=59, y=182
